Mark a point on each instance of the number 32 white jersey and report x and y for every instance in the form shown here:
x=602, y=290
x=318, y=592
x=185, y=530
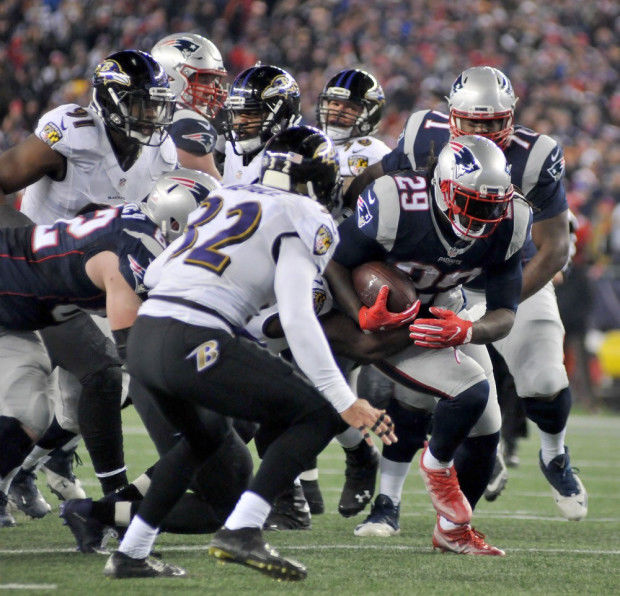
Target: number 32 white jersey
x=227, y=259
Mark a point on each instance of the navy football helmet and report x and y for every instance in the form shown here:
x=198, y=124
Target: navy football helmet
x=132, y=95
x=361, y=93
x=263, y=101
x=303, y=160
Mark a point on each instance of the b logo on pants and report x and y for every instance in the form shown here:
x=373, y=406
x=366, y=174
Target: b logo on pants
x=206, y=354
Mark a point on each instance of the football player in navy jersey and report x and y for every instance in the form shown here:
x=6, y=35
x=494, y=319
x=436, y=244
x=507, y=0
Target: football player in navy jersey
x=482, y=101
x=444, y=227
x=196, y=74
x=96, y=262
x=109, y=152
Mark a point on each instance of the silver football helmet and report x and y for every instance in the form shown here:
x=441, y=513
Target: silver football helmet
x=174, y=196
x=472, y=186
x=195, y=71
x=483, y=94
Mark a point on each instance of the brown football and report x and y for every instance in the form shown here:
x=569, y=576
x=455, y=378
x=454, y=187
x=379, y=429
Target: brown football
x=369, y=277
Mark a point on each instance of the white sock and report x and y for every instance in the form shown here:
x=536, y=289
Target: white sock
x=139, y=539
x=447, y=525
x=142, y=484
x=5, y=481
x=310, y=475
x=122, y=513
x=551, y=445
x=392, y=478
x=432, y=463
x=251, y=511
x=38, y=456
x=349, y=438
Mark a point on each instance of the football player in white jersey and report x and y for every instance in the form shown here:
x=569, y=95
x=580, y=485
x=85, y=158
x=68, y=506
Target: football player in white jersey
x=246, y=247
x=196, y=73
x=349, y=110
x=109, y=152
x=263, y=101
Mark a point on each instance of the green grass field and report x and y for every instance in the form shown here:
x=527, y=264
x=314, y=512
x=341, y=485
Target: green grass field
x=545, y=553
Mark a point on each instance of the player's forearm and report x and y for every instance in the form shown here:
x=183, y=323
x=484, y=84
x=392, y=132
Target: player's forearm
x=494, y=325
x=541, y=269
x=341, y=286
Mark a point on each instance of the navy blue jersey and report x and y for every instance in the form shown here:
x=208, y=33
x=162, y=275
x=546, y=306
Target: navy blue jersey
x=192, y=133
x=537, y=162
x=396, y=222
x=42, y=267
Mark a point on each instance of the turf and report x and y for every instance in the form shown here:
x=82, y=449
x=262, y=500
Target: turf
x=545, y=553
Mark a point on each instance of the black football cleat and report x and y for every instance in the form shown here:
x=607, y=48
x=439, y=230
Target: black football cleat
x=290, y=511
x=25, y=495
x=247, y=546
x=362, y=463
x=120, y=566
x=90, y=534
x=6, y=519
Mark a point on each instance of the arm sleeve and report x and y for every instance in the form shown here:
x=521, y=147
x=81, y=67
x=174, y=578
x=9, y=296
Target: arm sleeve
x=295, y=272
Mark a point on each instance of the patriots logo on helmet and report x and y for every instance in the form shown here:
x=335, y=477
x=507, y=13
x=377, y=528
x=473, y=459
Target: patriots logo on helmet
x=199, y=191
x=464, y=160
x=186, y=46
x=458, y=84
x=110, y=71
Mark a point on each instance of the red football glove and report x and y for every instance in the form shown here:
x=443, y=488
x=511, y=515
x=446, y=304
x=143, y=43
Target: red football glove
x=447, y=330
x=378, y=317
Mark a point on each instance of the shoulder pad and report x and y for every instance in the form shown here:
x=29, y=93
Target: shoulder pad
x=522, y=217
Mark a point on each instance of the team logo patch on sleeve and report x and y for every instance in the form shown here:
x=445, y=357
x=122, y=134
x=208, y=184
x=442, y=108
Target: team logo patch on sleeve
x=319, y=297
x=50, y=134
x=357, y=163
x=364, y=216
x=556, y=171
x=323, y=239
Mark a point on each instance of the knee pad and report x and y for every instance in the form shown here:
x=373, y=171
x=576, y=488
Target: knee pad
x=15, y=444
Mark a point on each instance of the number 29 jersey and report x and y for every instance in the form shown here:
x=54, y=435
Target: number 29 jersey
x=225, y=263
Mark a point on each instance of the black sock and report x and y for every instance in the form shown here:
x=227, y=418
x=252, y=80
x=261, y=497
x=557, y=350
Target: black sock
x=474, y=461
x=549, y=416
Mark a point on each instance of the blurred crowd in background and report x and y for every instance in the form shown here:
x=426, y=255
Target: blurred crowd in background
x=562, y=57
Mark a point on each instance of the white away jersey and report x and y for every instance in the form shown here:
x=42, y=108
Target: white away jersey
x=226, y=261
x=355, y=155
x=93, y=173
x=234, y=170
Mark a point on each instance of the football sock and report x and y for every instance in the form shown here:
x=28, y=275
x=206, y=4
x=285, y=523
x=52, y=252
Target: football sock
x=392, y=479
x=432, y=463
x=15, y=445
x=454, y=418
x=550, y=416
x=447, y=525
x=38, y=456
x=251, y=512
x=551, y=445
x=474, y=461
x=139, y=539
x=310, y=475
x=55, y=436
x=350, y=438
x=123, y=513
x=412, y=428
x=104, y=511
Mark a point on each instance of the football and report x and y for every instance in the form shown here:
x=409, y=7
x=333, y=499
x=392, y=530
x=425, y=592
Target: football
x=369, y=277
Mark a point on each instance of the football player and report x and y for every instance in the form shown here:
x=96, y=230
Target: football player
x=196, y=75
x=109, y=152
x=247, y=246
x=95, y=261
x=349, y=110
x=482, y=101
x=263, y=101
x=443, y=227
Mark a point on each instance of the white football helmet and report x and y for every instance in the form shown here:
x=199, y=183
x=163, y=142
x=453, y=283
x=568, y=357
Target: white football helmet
x=195, y=71
x=472, y=185
x=174, y=196
x=484, y=94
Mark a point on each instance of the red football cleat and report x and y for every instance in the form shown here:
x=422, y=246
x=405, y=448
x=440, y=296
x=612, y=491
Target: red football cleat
x=463, y=541
x=445, y=492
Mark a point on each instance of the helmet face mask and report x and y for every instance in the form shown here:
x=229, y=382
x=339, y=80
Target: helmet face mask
x=131, y=94
x=175, y=195
x=263, y=101
x=195, y=70
x=472, y=186
x=303, y=160
x=350, y=105
x=482, y=102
